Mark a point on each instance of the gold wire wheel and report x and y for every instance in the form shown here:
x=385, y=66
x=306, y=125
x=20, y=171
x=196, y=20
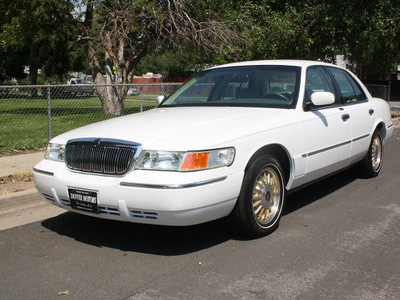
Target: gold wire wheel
x=266, y=196
x=376, y=153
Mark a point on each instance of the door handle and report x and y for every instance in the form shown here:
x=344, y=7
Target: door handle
x=345, y=117
x=371, y=112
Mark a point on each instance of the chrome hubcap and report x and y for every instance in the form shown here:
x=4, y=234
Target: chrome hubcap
x=266, y=196
x=376, y=152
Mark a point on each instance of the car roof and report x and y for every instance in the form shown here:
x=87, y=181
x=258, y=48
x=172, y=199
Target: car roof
x=281, y=62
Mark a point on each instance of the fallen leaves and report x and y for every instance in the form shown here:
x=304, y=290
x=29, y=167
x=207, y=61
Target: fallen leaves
x=64, y=293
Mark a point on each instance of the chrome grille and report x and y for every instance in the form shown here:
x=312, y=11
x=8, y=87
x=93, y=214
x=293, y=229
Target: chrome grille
x=104, y=156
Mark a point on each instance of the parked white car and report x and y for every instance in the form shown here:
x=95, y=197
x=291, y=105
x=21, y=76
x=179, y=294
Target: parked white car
x=228, y=143
x=132, y=92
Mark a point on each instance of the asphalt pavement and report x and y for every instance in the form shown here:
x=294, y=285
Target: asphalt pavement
x=337, y=239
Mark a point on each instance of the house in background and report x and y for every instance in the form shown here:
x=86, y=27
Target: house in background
x=151, y=78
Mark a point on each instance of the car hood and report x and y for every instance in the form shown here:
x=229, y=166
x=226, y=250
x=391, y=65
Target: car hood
x=185, y=128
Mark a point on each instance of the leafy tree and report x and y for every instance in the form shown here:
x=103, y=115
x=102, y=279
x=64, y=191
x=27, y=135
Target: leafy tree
x=373, y=40
x=367, y=32
x=174, y=63
x=36, y=29
x=124, y=30
x=272, y=29
x=122, y=37
x=11, y=65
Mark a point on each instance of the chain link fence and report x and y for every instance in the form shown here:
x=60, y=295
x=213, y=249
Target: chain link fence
x=31, y=115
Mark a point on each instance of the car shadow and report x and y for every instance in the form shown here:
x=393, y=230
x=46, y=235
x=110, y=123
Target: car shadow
x=318, y=190
x=172, y=241
x=152, y=239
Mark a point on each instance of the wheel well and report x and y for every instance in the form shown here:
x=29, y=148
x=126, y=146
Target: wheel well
x=279, y=152
x=381, y=128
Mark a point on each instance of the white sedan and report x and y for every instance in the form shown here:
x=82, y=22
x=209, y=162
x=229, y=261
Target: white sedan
x=230, y=142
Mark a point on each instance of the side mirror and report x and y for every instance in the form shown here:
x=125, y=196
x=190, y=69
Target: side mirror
x=322, y=98
x=160, y=99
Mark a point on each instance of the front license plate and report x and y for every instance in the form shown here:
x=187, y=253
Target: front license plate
x=84, y=200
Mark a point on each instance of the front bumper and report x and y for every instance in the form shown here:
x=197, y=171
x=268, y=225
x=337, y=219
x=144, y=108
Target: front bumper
x=150, y=197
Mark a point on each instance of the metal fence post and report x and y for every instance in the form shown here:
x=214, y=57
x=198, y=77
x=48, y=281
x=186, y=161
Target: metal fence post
x=49, y=111
x=141, y=98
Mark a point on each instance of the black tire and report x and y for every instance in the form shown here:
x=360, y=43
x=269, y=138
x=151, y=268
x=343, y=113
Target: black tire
x=259, y=207
x=371, y=165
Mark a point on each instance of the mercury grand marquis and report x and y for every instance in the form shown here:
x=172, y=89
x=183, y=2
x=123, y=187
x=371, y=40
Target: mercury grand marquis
x=230, y=142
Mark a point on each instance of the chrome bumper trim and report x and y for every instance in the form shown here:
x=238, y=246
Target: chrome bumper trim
x=173, y=186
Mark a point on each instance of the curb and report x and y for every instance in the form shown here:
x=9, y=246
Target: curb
x=18, y=194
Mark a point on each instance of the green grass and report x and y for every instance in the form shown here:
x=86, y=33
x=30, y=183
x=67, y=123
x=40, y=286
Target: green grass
x=24, y=121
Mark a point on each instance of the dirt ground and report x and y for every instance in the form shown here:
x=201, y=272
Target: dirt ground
x=15, y=183
x=21, y=152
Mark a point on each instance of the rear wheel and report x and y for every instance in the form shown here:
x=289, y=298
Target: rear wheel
x=260, y=203
x=372, y=163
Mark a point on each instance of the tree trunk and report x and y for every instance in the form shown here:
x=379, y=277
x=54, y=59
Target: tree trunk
x=111, y=94
x=110, y=97
x=111, y=101
x=33, y=66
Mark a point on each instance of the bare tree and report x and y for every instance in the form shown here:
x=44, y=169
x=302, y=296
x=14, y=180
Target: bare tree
x=124, y=29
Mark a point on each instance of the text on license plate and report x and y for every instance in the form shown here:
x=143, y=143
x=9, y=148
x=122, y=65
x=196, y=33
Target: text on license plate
x=83, y=200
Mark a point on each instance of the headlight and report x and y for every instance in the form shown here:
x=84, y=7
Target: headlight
x=185, y=161
x=55, y=152
x=160, y=160
x=208, y=159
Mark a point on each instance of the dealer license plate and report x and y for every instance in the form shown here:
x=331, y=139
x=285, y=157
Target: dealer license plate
x=84, y=200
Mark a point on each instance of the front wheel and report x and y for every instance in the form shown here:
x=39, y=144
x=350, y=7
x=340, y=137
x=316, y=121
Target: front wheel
x=260, y=203
x=372, y=163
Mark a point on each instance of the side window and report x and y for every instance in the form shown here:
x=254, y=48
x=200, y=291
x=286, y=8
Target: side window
x=317, y=81
x=360, y=95
x=349, y=88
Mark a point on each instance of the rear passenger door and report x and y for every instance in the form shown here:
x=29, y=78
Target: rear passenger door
x=328, y=130
x=360, y=110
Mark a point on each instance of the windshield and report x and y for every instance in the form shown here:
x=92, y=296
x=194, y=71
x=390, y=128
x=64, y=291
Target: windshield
x=254, y=86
